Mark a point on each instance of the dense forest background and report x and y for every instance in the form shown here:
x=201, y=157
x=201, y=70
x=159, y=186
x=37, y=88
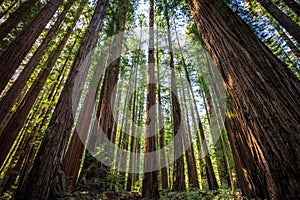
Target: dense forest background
x=123, y=99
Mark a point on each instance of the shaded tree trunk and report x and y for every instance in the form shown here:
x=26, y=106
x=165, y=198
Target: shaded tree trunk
x=18, y=118
x=104, y=112
x=8, y=101
x=189, y=153
x=178, y=130
x=133, y=118
x=150, y=175
x=37, y=185
x=19, y=48
x=13, y=20
x=74, y=154
x=214, y=116
x=265, y=100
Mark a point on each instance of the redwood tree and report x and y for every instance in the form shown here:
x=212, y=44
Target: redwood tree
x=150, y=178
x=264, y=97
x=178, y=130
x=18, y=49
x=18, y=119
x=37, y=184
x=14, y=91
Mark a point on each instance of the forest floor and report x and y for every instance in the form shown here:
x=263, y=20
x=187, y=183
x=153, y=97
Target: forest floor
x=193, y=194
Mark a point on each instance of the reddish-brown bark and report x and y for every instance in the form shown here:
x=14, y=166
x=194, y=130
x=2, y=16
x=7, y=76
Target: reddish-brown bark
x=264, y=97
x=150, y=177
x=17, y=50
x=37, y=185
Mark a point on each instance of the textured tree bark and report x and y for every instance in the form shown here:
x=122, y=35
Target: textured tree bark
x=8, y=101
x=282, y=19
x=13, y=20
x=31, y=147
x=16, y=52
x=150, y=178
x=265, y=101
x=37, y=185
x=293, y=5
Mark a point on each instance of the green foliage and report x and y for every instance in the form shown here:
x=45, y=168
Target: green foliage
x=196, y=194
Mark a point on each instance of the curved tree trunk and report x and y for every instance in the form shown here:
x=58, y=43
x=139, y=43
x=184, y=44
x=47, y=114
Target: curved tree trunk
x=265, y=101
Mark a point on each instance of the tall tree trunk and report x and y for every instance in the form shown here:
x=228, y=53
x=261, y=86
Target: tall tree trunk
x=282, y=19
x=189, y=153
x=74, y=154
x=162, y=156
x=150, y=177
x=133, y=118
x=104, y=113
x=18, y=119
x=13, y=20
x=8, y=101
x=105, y=120
x=139, y=130
x=199, y=149
x=178, y=130
x=44, y=113
x=211, y=177
x=18, y=49
x=220, y=110
x=293, y=5
x=265, y=100
x=37, y=185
